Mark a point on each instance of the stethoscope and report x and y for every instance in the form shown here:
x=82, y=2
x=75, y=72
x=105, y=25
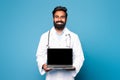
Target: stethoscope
x=68, y=40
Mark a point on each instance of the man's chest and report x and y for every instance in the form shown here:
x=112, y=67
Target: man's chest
x=60, y=41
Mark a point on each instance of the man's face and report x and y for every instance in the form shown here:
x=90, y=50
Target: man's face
x=59, y=19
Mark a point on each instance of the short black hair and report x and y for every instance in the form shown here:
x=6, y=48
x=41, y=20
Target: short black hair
x=60, y=8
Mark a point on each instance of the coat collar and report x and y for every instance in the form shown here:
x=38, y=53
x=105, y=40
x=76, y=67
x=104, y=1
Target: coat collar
x=65, y=31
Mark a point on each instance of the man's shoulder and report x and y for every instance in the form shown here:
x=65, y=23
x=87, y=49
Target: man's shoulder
x=72, y=33
x=45, y=34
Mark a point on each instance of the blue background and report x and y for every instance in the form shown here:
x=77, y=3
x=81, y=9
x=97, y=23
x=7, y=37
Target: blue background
x=97, y=22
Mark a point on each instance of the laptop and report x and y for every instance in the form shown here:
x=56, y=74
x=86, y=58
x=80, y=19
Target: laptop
x=60, y=58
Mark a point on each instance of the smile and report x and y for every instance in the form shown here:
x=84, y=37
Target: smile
x=59, y=23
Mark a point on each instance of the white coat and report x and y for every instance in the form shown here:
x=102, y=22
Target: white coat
x=66, y=40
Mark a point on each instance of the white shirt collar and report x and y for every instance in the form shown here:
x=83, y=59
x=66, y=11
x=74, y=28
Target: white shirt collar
x=65, y=31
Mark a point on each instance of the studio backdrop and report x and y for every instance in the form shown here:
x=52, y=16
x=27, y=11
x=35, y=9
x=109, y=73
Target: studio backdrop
x=97, y=23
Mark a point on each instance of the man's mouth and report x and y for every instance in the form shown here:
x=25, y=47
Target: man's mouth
x=59, y=23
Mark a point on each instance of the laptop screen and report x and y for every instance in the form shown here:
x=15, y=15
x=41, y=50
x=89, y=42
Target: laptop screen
x=59, y=56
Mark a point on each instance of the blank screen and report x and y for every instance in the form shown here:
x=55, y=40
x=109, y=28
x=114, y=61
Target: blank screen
x=59, y=56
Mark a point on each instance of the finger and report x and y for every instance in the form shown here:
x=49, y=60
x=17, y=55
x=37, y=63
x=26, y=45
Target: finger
x=48, y=69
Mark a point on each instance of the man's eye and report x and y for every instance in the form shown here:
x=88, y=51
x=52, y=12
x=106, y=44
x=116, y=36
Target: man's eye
x=62, y=16
x=56, y=16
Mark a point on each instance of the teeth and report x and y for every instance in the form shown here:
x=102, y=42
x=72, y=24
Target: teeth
x=59, y=23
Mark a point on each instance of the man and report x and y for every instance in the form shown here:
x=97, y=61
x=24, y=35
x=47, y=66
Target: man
x=59, y=37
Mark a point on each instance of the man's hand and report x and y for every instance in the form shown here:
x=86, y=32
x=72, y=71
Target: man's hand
x=46, y=68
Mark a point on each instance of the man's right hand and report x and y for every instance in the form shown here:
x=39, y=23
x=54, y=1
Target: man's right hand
x=46, y=68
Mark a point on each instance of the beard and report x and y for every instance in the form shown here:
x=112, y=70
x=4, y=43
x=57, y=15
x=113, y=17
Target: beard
x=59, y=26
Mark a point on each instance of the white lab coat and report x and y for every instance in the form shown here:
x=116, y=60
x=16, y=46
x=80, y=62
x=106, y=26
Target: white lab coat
x=60, y=41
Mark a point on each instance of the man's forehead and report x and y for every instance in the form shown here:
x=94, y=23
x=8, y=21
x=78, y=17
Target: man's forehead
x=59, y=13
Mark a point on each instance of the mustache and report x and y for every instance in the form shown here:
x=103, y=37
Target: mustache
x=59, y=22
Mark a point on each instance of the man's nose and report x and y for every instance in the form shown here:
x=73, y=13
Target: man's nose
x=59, y=18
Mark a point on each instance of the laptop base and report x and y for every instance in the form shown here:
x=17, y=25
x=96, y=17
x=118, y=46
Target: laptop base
x=66, y=67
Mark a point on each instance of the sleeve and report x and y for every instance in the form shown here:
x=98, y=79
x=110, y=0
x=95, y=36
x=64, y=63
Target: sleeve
x=41, y=54
x=78, y=57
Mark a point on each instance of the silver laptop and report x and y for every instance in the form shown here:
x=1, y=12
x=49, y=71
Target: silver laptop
x=60, y=58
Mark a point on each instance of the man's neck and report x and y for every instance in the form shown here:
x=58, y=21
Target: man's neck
x=59, y=32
